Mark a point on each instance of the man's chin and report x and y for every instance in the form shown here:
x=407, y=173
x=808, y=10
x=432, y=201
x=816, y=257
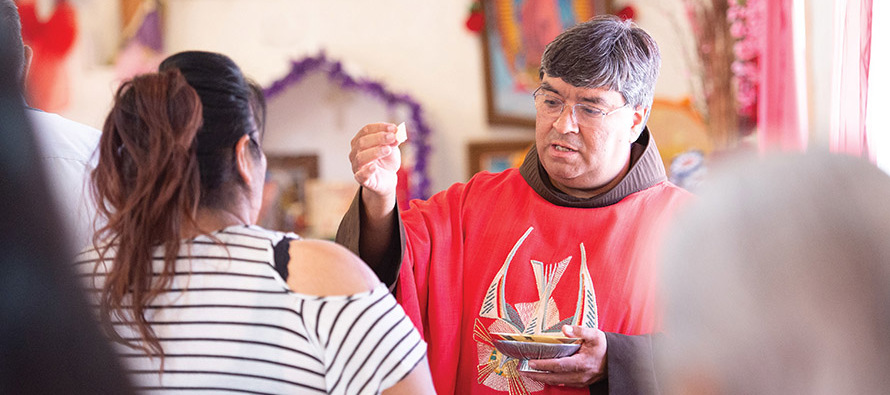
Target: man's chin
x=561, y=168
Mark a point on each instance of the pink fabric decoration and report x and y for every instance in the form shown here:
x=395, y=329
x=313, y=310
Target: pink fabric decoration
x=849, y=88
x=777, y=121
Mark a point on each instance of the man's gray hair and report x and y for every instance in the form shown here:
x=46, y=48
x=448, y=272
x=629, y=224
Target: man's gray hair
x=606, y=52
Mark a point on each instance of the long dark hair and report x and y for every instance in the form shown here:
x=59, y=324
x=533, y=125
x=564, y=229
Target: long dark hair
x=233, y=106
x=167, y=149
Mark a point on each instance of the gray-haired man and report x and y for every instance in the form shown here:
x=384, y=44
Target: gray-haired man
x=565, y=245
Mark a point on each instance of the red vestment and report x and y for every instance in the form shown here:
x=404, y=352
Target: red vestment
x=508, y=252
x=459, y=240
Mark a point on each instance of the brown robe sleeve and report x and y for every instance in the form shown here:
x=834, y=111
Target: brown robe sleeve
x=349, y=236
x=631, y=367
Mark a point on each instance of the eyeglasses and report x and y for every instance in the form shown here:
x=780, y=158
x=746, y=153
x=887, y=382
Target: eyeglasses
x=583, y=114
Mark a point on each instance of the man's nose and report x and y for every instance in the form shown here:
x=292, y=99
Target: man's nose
x=566, y=122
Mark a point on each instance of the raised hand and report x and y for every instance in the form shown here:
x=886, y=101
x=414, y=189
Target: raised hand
x=375, y=159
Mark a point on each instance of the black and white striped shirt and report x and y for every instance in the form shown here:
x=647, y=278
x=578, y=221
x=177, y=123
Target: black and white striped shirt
x=229, y=323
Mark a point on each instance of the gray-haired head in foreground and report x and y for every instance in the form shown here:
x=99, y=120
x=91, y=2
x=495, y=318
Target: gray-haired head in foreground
x=606, y=52
x=776, y=280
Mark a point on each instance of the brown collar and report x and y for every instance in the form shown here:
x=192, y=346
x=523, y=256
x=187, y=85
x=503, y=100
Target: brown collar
x=646, y=170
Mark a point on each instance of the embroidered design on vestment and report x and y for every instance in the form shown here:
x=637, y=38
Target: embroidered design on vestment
x=499, y=371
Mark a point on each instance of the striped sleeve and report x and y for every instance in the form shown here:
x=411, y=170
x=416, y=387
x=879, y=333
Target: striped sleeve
x=367, y=341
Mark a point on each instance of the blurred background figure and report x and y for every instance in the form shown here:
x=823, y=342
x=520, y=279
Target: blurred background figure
x=778, y=281
x=48, y=342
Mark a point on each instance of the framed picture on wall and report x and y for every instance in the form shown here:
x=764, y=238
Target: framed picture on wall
x=515, y=35
x=284, y=194
x=495, y=156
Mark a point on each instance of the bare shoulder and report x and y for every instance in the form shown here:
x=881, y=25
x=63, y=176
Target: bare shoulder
x=324, y=268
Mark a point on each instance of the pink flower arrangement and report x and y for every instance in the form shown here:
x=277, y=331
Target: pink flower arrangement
x=746, y=18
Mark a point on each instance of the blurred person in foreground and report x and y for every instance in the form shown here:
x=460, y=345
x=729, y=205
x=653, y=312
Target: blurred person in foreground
x=778, y=281
x=66, y=148
x=564, y=245
x=49, y=342
x=199, y=297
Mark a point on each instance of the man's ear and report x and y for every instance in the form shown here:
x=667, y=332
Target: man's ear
x=641, y=115
x=26, y=66
x=244, y=159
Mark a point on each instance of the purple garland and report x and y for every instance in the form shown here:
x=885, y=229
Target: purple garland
x=419, y=133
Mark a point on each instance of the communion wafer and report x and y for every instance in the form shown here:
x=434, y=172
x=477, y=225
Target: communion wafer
x=401, y=133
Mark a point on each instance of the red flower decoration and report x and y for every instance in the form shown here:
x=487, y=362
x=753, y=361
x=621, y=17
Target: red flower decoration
x=476, y=20
x=626, y=13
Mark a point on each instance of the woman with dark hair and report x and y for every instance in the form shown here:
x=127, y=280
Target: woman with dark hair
x=200, y=297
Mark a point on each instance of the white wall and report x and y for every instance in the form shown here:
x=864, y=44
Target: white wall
x=418, y=47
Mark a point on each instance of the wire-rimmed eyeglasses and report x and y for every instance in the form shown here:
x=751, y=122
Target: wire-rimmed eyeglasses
x=583, y=114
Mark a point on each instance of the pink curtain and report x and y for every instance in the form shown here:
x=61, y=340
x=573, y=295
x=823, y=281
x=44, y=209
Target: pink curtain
x=778, y=123
x=849, y=90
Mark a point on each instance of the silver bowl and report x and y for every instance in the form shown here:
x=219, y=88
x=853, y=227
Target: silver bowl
x=523, y=351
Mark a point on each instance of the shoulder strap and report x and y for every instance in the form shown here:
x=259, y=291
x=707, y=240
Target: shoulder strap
x=282, y=256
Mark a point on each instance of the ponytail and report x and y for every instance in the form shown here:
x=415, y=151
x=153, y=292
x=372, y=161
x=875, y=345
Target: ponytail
x=147, y=185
